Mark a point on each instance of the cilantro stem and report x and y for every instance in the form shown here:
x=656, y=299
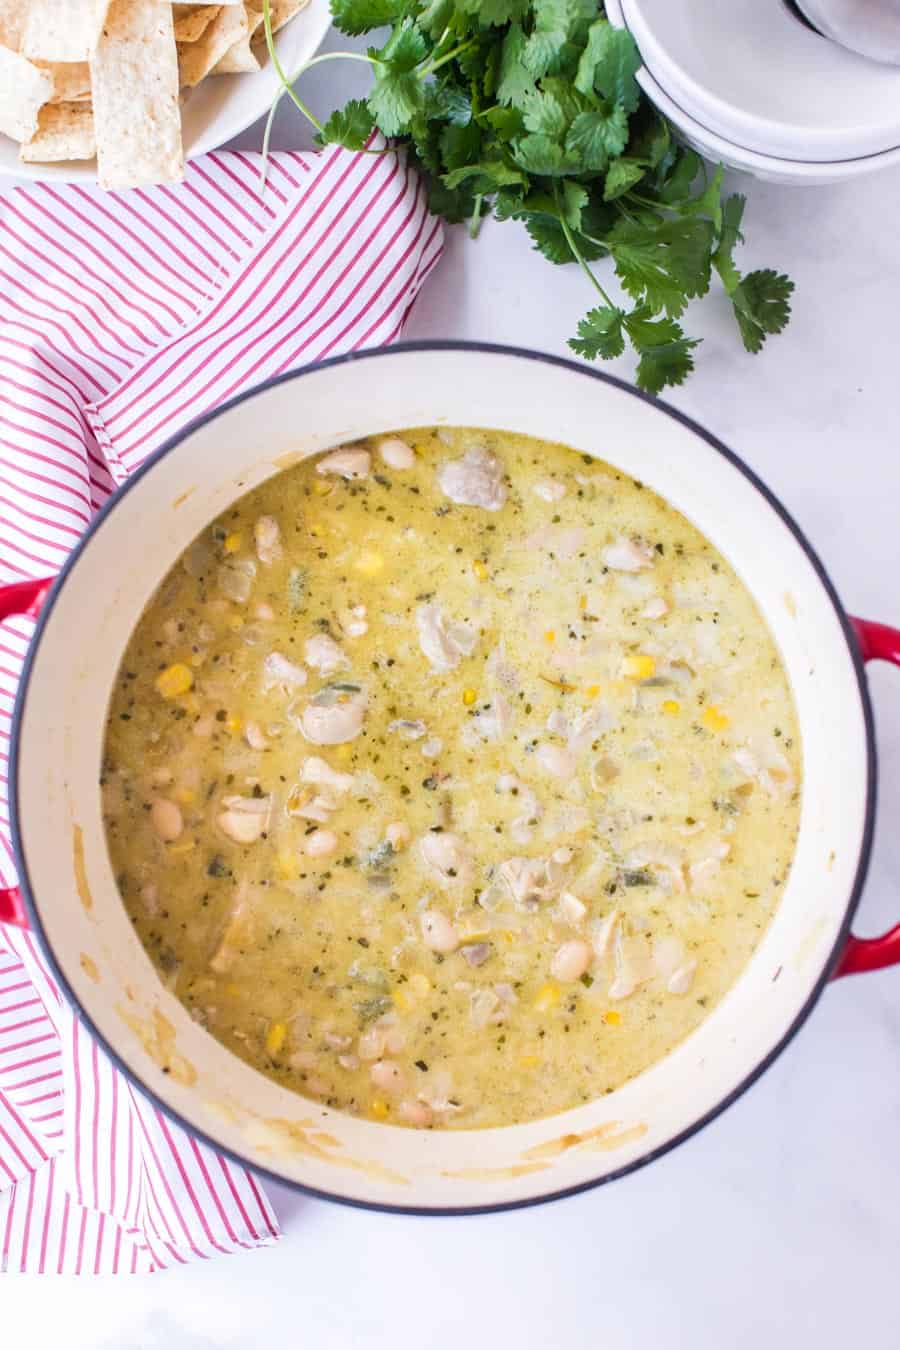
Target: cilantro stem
x=577, y=254
x=286, y=87
x=475, y=221
x=431, y=66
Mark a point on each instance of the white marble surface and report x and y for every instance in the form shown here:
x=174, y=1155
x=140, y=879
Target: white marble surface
x=779, y=1224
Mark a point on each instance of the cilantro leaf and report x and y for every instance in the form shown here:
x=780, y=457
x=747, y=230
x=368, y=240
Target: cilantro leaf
x=349, y=126
x=460, y=145
x=552, y=20
x=447, y=103
x=621, y=175
x=574, y=200
x=761, y=306
x=709, y=201
x=543, y=113
x=663, y=263
x=608, y=65
x=487, y=176
x=680, y=176
x=549, y=238
x=404, y=49
x=729, y=237
x=394, y=101
x=515, y=84
x=669, y=363
x=495, y=13
x=508, y=123
x=596, y=137
x=543, y=156
x=358, y=16
x=599, y=334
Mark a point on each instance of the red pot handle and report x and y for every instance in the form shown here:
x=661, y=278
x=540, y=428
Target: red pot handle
x=21, y=597
x=877, y=642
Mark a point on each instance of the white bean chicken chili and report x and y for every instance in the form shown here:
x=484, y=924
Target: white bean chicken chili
x=451, y=778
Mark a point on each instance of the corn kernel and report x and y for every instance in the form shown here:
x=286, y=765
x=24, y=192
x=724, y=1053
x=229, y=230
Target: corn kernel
x=317, y=530
x=175, y=680
x=235, y=622
x=184, y=845
x=592, y=690
x=715, y=719
x=369, y=563
x=550, y=635
x=478, y=935
x=671, y=707
x=286, y=865
x=321, y=488
x=529, y=1061
x=402, y=1001
x=469, y=697
x=582, y=602
x=232, y=543
x=185, y=795
x=234, y=724
x=480, y=570
x=639, y=667
x=378, y=1108
x=275, y=1038
x=420, y=984
x=547, y=997
x=343, y=753
x=612, y=1018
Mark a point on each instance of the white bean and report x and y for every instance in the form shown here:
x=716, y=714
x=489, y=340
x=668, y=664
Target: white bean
x=438, y=932
x=415, y=1113
x=388, y=1076
x=167, y=819
x=350, y=462
x=571, y=960
x=320, y=843
x=396, y=453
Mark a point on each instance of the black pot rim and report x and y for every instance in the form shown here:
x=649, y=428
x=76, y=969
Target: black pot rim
x=488, y=350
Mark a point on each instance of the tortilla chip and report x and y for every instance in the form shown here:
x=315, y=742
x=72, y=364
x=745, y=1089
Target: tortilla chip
x=192, y=21
x=241, y=59
x=65, y=131
x=24, y=89
x=134, y=76
x=63, y=30
x=71, y=80
x=12, y=24
x=196, y=59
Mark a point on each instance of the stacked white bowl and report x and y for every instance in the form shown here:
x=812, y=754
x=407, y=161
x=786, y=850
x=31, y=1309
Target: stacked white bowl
x=749, y=83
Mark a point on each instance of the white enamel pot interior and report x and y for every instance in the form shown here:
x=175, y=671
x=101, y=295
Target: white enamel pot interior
x=66, y=874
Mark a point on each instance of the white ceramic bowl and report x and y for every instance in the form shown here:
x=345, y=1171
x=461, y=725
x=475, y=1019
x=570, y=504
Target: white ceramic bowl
x=70, y=890
x=218, y=109
x=756, y=75
x=766, y=167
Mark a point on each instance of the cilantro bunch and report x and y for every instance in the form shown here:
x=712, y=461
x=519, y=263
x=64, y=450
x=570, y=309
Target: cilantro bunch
x=529, y=110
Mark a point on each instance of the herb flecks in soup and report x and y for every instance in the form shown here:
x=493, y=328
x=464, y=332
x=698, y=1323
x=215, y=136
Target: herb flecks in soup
x=451, y=779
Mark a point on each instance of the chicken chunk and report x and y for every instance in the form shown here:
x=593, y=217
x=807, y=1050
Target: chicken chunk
x=444, y=643
x=474, y=480
x=323, y=654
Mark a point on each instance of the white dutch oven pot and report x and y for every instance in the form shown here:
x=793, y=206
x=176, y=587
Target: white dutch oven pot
x=68, y=893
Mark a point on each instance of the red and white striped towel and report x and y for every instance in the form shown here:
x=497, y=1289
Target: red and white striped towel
x=123, y=316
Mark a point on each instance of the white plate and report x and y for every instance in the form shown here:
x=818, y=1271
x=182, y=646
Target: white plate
x=769, y=168
x=216, y=111
x=755, y=74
